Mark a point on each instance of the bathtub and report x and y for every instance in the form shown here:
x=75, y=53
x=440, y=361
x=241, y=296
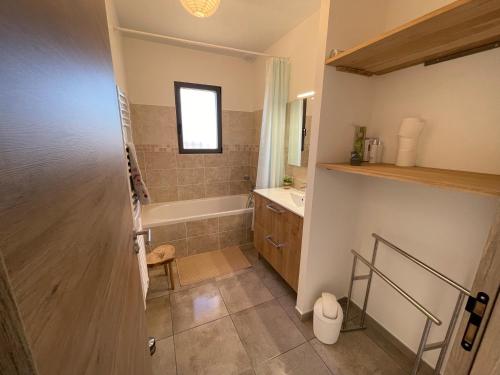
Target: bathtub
x=198, y=225
x=158, y=214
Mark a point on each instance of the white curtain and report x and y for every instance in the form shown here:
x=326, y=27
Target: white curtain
x=271, y=167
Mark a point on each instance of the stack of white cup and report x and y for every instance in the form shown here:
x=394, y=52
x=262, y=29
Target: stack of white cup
x=408, y=140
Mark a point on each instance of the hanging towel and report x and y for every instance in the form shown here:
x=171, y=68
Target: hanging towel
x=135, y=175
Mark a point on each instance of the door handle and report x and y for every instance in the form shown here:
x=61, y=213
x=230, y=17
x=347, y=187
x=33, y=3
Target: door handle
x=146, y=232
x=274, y=209
x=152, y=345
x=274, y=243
x=476, y=307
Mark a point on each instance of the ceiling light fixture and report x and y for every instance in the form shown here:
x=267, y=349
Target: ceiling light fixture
x=201, y=8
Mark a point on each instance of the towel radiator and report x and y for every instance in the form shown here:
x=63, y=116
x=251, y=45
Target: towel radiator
x=431, y=318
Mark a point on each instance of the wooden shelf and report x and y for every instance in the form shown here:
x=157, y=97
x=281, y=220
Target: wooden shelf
x=458, y=29
x=481, y=183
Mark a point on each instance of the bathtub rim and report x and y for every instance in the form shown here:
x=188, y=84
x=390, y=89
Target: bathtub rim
x=158, y=223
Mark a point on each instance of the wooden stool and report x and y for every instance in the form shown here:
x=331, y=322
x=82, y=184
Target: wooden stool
x=163, y=255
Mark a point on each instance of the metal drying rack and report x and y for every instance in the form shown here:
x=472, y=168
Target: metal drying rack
x=431, y=318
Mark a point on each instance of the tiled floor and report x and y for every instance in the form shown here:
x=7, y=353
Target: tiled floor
x=246, y=324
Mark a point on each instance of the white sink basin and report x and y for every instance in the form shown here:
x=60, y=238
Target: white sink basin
x=298, y=198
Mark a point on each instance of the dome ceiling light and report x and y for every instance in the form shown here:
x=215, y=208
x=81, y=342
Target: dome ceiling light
x=201, y=8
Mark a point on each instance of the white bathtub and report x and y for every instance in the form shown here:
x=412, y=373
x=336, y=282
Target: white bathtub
x=159, y=214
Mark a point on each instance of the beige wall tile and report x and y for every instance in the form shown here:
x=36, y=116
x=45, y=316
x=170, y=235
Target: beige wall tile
x=216, y=189
x=191, y=192
x=159, y=160
x=239, y=187
x=149, y=115
x=232, y=238
x=202, y=244
x=171, y=176
x=238, y=136
x=238, y=158
x=232, y=222
x=192, y=176
x=163, y=194
x=215, y=160
x=202, y=227
x=166, y=233
x=217, y=174
x=161, y=177
x=239, y=173
x=189, y=161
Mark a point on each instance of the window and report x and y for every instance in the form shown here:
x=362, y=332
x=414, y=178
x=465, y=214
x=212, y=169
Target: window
x=199, y=123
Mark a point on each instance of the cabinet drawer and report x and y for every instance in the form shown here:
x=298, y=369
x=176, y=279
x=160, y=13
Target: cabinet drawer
x=268, y=247
x=267, y=212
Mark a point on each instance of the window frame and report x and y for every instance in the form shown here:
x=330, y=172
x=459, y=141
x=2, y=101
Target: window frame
x=178, y=109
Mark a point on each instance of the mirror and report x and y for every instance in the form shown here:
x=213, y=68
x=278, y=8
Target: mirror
x=296, y=129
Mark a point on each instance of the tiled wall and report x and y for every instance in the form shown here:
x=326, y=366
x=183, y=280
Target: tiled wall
x=196, y=237
x=171, y=176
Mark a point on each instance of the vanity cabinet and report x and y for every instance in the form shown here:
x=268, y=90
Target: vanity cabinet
x=278, y=238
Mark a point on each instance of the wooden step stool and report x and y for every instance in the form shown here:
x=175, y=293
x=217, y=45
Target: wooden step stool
x=163, y=255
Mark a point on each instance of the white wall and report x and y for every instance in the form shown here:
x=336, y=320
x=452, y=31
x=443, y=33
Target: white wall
x=458, y=99
x=341, y=101
x=300, y=44
x=152, y=68
x=446, y=229
x=115, y=41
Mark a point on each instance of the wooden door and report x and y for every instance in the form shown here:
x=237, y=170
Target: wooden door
x=72, y=276
x=484, y=358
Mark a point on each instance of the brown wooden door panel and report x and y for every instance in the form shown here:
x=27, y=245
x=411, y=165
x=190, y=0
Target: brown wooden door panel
x=65, y=212
x=291, y=251
x=484, y=354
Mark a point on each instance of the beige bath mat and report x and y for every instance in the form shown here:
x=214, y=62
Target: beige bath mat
x=199, y=267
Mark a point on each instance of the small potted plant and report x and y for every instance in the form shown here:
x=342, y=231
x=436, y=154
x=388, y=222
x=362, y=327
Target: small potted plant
x=287, y=182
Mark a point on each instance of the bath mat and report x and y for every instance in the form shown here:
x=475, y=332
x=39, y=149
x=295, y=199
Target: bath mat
x=195, y=268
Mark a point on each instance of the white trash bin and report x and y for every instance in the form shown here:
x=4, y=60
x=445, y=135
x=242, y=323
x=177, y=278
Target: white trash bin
x=327, y=321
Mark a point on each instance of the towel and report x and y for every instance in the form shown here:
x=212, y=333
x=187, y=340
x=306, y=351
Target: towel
x=136, y=179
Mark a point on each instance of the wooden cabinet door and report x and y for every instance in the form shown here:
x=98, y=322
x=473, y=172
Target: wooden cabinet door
x=291, y=237
x=278, y=238
x=267, y=216
x=66, y=226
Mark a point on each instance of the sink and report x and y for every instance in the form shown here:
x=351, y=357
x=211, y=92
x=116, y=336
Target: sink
x=298, y=198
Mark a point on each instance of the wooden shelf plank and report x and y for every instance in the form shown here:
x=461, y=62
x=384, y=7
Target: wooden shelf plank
x=460, y=26
x=481, y=183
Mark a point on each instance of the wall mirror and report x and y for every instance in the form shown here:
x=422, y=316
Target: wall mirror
x=296, y=133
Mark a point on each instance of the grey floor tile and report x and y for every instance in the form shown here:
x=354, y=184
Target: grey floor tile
x=305, y=327
x=163, y=360
x=196, y=306
x=243, y=291
x=159, y=317
x=356, y=354
x=273, y=281
x=266, y=331
x=211, y=349
x=302, y=360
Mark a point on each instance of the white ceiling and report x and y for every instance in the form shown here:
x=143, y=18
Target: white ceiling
x=244, y=24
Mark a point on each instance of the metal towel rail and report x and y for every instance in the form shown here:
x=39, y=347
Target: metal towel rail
x=431, y=318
